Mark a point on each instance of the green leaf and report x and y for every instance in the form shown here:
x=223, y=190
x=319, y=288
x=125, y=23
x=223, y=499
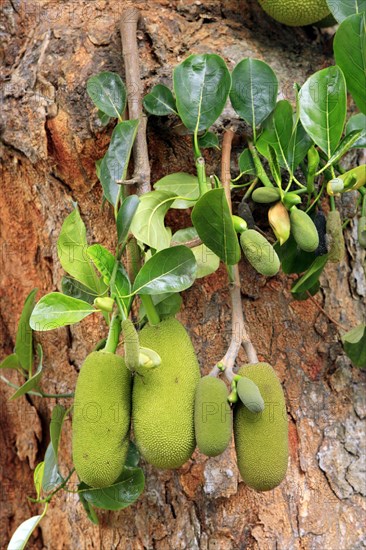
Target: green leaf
x=123, y=493
x=350, y=54
x=246, y=163
x=357, y=122
x=293, y=259
x=57, y=420
x=10, y=362
x=104, y=119
x=209, y=139
x=133, y=456
x=125, y=217
x=254, y=91
x=115, y=162
x=24, y=341
x=181, y=184
x=304, y=295
x=160, y=101
x=52, y=477
x=201, y=85
x=274, y=165
x=33, y=382
x=207, y=261
x=323, y=106
x=56, y=310
x=341, y=9
x=277, y=132
x=343, y=147
x=212, y=219
x=311, y=276
x=75, y=289
x=22, y=533
x=90, y=512
x=148, y=223
x=37, y=478
x=170, y=270
x=298, y=146
x=71, y=249
x=167, y=305
x=354, y=343
x=108, y=93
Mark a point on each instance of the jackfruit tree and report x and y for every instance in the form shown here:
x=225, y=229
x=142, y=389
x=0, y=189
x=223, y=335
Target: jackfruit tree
x=143, y=398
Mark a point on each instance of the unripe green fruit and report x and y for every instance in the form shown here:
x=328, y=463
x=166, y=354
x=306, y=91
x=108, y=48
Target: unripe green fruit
x=212, y=416
x=259, y=253
x=335, y=237
x=163, y=398
x=303, y=230
x=361, y=233
x=261, y=439
x=296, y=13
x=266, y=195
x=101, y=421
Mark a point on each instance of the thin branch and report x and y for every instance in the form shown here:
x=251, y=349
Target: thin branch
x=189, y=244
x=128, y=28
x=324, y=312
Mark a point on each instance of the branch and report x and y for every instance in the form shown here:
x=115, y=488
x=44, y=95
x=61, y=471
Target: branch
x=128, y=28
x=189, y=244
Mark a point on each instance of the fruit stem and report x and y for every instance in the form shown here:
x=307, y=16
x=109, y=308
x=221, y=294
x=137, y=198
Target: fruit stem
x=259, y=166
x=151, y=312
x=113, y=334
x=201, y=175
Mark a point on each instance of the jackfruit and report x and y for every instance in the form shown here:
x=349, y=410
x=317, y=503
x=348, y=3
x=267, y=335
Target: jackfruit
x=335, y=239
x=163, y=398
x=296, y=13
x=303, y=230
x=212, y=416
x=266, y=194
x=101, y=420
x=261, y=439
x=259, y=253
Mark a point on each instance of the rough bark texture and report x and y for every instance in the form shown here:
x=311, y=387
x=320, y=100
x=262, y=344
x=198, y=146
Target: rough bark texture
x=50, y=140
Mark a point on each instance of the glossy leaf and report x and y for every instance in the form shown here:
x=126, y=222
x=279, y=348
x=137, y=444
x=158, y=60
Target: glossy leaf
x=293, y=259
x=311, y=276
x=183, y=185
x=75, y=289
x=201, y=86
x=298, y=146
x=104, y=119
x=212, y=219
x=354, y=343
x=323, y=107
x=160, y=101
x=341, y=9
x=170, y=270
x=123, y=493
x=246, y=163
x=37, y=478
x=277, y=132
x=57, y=420
x=10, y=362
x=115, y=162
x=90, y=512
x=254, y=91
x=71, y=249
x=207, y=261
x=56, y=310
x=125, y=217
x=108, y=93
x=304, y=295
x=51, y=477
x=33, y=381
x=167, y=305
x=357, y=122
x=209, y=139
x=343, y=147
x=24, y=338
x=350, y=54
x=133, y=456
x=148, y=223
x=22, y=533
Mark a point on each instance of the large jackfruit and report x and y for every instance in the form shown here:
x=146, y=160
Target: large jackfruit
x=163, y=398
x=212, y=416
x=261, y=439
x=101, y=420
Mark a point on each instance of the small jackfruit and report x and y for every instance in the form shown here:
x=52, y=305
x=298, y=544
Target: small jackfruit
x=250, y=395
x=266, y=195
x=335, y=237
x=101, y=420
x=212, y=416
x=303, y=230
x=296, y=13
x=259, y=253
x=261, y=439
x=163, y=398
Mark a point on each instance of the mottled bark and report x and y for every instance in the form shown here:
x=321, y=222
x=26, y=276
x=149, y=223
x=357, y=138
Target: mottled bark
x=50, y=139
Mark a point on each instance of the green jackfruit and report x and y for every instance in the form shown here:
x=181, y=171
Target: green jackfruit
x=259, y=253
x=304, y=230
x=101, y=420
x=266, y=194
x=335, y=237
x=296, y=13
x=163, y=398
x=212, y=416
x=261, y=439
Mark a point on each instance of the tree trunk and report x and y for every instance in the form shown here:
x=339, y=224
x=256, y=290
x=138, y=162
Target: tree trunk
x=50, y=140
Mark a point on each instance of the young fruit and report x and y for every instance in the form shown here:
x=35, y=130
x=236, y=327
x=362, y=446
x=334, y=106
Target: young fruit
x=266, y=195
x=259, y=253
x=261, y=439
x=296, y=13
x=335, y=237
x=101, y=421
x=303, y=230
x=163, y=398
x=212, y=416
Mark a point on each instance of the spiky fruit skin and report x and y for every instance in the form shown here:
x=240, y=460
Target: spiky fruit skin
x=212, y=416
x=261, y=439
x=101, y=419
x=335, y=239
x=304, y=230
x=163, y=399
x=259, y=253
x=296, y=13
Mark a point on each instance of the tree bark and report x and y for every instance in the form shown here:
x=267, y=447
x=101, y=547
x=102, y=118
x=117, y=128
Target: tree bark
x=51, y=138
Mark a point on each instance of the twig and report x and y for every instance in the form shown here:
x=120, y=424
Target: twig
x=239, y=333
x=128, y=28
x=189, y=244
x=324, y=312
